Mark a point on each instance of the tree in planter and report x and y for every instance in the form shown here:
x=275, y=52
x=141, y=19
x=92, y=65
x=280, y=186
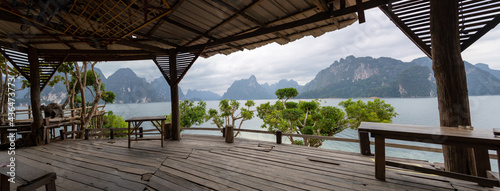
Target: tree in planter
x=227, y=114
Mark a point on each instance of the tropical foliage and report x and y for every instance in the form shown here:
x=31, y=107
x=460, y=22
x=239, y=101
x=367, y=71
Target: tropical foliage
x=310, y=118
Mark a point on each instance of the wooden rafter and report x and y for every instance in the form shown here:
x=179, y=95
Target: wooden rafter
x=163, y=72
x=20, y=62
x=476, y=18
x=225, y=21
x=196, y=55
x=480, y=33
x=301, y=22
x=407, y=31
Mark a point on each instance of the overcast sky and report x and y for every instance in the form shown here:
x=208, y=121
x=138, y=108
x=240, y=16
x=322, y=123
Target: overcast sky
x=302, y=59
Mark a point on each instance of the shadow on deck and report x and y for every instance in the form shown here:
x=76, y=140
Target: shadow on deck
x=200, y=162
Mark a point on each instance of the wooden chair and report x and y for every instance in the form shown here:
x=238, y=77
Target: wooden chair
x=29, y=177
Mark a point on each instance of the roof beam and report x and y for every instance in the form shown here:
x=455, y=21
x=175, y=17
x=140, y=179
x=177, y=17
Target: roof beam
x=315, y=18
x=248, y=17
x=321, y=4
x=90, y=52
x=135, y=44
x=234, y=16
x=13, y=46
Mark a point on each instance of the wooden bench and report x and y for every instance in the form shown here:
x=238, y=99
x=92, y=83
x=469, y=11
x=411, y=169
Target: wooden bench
x=26, y=176
x=481, y=140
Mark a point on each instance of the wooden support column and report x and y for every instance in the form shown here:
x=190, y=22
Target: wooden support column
x=37, y=134
x=449, y=71
x=174, y=95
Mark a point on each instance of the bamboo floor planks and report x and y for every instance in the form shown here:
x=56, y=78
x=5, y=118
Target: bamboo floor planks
x=201, y=162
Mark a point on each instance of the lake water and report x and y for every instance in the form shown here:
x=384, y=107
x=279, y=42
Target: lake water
x=485, y=114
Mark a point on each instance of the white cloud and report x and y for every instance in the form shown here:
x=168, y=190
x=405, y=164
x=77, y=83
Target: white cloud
x=303, y=59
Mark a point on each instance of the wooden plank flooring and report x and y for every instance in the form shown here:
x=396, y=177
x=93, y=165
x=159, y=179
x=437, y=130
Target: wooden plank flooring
x=200, y=162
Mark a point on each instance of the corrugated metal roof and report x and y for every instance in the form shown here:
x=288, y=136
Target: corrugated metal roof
x=155, y=27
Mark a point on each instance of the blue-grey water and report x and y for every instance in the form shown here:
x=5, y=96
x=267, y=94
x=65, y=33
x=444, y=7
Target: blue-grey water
x=485, y=114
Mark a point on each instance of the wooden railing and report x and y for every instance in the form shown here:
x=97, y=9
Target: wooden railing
x=67, y=113
x=111, y=132
x=277, y=133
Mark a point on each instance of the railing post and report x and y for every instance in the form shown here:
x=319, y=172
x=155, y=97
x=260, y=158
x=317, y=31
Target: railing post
x=86, y=134
x=168, y=131
x=62, y=134
x=29, y=111
x=141, y=131
x=229, y=134
x=223, y=132
x=364, y=143
x=111, y=133
x=46, y=134
x=279, y=134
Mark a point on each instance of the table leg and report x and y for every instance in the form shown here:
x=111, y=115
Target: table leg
x=364, y=143
x=128, y=132
x=162, y=127
x=380, y=157
x=4, y=183
x=482, y=162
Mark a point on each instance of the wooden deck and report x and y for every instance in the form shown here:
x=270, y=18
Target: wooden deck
x=200, y=162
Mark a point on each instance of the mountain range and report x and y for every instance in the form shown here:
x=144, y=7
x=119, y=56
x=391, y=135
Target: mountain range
x=345, y=78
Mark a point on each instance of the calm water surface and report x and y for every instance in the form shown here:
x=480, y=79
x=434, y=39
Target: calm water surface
x=485, y=111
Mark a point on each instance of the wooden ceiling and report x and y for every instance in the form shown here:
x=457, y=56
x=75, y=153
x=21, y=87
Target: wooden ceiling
x=118, y=30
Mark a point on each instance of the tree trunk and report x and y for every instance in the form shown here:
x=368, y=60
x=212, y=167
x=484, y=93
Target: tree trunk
x=36, y=132
x=449, y=71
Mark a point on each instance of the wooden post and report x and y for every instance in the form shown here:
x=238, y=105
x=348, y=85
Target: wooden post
x=86, y=134
x=29, y=111
x=162, y=128
x=449, y=71
x=229, y=134
x=4, y=182
x=141, y=131
x=129, y=134
x=62, y=134
x=279, y=136
x=364, y=143
x=46, y=131
x=111, y=133
x=223, y=132
x=380, y=157
x=37, y=135
x=174, y=95
x=168, y=131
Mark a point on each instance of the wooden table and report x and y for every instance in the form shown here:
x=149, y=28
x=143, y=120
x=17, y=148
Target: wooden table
x=136, y=122
x=479, y=139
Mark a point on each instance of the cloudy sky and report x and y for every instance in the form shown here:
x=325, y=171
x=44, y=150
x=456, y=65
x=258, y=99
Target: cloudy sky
x=302, y=59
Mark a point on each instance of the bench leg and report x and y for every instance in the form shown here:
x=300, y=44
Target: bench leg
x=129, y=134
x=4, y=183
x=498, y=160
x=364, y=143
x=50, y=186
x=482, y=162
x=380, y=157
